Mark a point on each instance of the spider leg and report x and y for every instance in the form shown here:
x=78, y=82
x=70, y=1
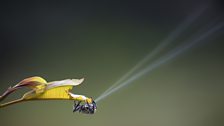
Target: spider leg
x=90, y=109
x=80, y=108
x=88, y=104
x=77, y=106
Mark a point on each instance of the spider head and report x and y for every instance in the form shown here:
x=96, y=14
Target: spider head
x=92, y=107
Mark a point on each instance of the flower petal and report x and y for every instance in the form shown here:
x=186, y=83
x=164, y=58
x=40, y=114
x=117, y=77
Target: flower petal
x=71, y=82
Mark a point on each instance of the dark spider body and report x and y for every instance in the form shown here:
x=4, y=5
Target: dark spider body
x=87, y=108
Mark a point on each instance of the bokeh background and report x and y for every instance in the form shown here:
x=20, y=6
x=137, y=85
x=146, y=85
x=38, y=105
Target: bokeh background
x=101, y=41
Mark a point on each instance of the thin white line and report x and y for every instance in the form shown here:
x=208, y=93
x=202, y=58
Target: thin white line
x=174, y=53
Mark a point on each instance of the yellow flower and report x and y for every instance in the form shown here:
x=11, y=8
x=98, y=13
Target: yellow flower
x=43, y=90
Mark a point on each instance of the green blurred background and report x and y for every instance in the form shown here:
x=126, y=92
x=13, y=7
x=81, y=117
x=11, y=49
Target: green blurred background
x=101, y=41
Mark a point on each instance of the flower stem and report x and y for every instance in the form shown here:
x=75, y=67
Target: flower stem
x=12, y=102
